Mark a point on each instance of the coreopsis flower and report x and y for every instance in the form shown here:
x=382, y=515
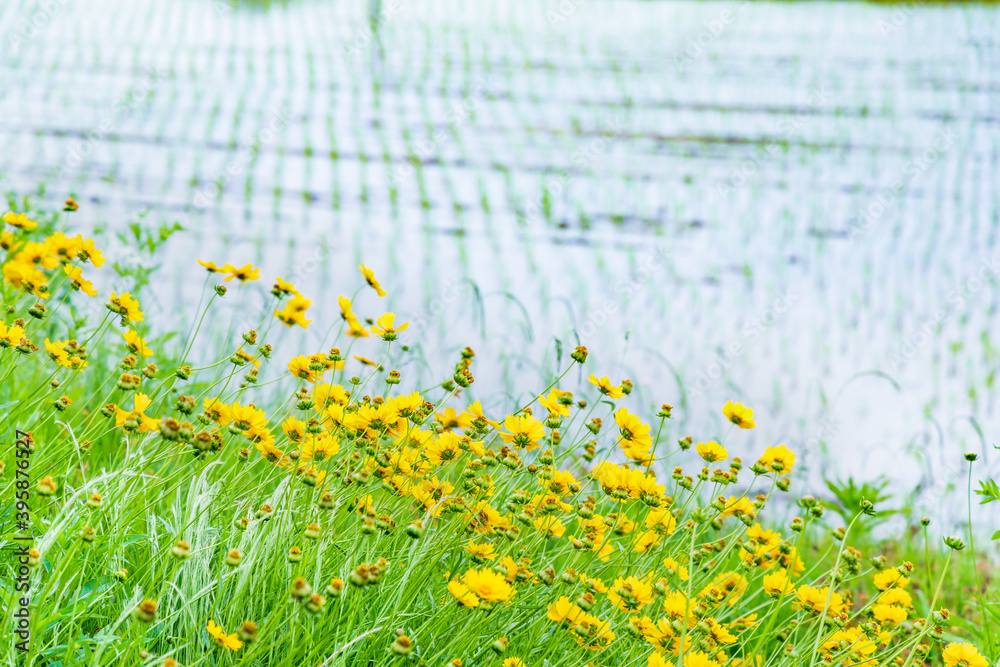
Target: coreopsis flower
x=564, y=612
x=446, y=447
x=230, y=642
x=739, y=414
x=319, y=447
x=88, y=252
x=656, y=659
x=70, y=205
x=245, y=273
x=633, y=430
x=673, y=567
x=524, y=431
x=136, y=419
x=963, y=655
x=282, y=288
x=777, y=584
x=605, y=387
x=557, y=402
x=778, y=459
x=218, y=412
x=384, y=327
x=26, y=276
x=890, y=578
x=480, y=552
x=711, y=451
x=550, y=526
x=889, y=614
x=135, y=343
x=81, y=284
x=728, y=587
x=11, y=336
x=488, y=585
x=19, y=220
x=126, y=306
x=814, y=600
x=212, y=268
x=742, y=506
x=630, y=594
x=294, y=312
x=371, y=280
x=65, y=353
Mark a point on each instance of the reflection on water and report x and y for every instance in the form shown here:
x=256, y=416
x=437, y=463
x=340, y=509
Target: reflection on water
x=765, y=202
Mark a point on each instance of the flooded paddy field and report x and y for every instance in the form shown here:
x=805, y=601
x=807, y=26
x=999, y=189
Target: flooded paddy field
x=672, y=184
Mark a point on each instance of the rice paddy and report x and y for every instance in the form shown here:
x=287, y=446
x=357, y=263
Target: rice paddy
x=789, y=205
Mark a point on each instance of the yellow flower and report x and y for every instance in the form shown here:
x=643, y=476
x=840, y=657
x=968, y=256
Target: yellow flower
x=888, y=613
x=657, y=660
x=778, y=459
x=963, y=655
x=631, y=594
x=212, y=268
x=777, y=584
x=80, y=283
x=136, y=419
x=370, y=279
x=513, y=662
x=564, y=612
x=126, y=306
x=712, y=451
x=605, y=387
x=550, y=525
x=672, y=566
x=486, y=585
x=699, y=659
x=890, y=578
x=88, y=252
x=815, y=599
x=739, y=414
x=294, y=312
x=244, y=273
x=525, y=431
x=461, y=592
x=480, y=552
x=222, y=639
x=19, y=220
x=633, y=430
x=319, y=447
x=282, y=287
x=728, y=587
x=742, y=506
x=136, y=344
x=384, y=327
x=10, y=336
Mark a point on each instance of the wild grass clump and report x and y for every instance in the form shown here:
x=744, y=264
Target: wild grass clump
x=279, y=506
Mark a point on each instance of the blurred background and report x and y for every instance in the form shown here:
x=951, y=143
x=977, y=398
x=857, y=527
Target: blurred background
x=794, y=205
